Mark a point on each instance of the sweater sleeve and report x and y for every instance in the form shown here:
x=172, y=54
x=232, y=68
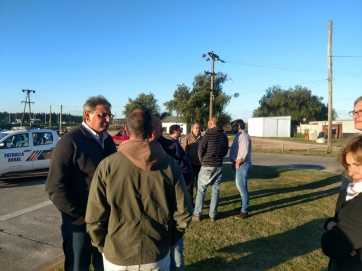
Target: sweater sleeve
x=59, y=180
x=335, y=244
x=346, y=236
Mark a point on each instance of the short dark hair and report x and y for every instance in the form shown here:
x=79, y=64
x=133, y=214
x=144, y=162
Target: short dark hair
x=139, y=122
x=239, y=122
x=173, y=128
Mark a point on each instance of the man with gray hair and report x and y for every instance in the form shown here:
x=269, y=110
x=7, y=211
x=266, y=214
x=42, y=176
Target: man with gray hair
x=74, y=160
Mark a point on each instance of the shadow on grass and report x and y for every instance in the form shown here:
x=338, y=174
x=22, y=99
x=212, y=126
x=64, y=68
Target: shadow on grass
x=314, y=193
x=255, y=254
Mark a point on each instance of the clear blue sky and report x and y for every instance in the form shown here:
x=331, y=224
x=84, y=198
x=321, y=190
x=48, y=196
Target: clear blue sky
x=70, y=50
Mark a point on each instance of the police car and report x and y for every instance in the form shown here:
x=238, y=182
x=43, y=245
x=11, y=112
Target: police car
x=26, y=150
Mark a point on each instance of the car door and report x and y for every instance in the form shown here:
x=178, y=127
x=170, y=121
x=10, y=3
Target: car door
x=15, y=152
x=43, y=145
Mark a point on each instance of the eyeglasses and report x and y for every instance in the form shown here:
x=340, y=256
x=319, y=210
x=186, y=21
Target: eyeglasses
x=104, y=115
x=358, y=113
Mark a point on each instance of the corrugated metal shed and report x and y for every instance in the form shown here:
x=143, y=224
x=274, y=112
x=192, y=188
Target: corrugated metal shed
x=270, y=126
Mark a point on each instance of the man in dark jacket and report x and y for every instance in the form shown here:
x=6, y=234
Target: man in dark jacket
x=174, y=149
x=74, y=160
x=138, y=202
x=212, y=149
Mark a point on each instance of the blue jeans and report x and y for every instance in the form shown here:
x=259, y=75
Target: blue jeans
x=78, y=250
x=208, y=176
x=177, y=262
x=241, y=180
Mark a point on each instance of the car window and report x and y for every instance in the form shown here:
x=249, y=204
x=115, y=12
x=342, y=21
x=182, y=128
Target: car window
x=42, y=138
x=17, y=141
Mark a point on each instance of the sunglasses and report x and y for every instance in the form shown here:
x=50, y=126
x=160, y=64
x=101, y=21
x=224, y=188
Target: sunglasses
x=104, y=115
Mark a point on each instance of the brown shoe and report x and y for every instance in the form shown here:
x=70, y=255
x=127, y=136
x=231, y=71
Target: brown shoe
x=242, y=215
x=196, y=218
x=213, y=219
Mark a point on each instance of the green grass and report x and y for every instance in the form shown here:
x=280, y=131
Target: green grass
x=288, y=208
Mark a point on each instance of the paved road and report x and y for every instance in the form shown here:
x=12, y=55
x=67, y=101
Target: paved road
x=30, y=224
x=329, y=164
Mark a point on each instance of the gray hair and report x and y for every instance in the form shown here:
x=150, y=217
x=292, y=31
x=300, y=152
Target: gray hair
x=92, y=102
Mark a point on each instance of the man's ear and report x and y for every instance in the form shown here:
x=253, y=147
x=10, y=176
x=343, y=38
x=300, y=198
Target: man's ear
x=86, y=115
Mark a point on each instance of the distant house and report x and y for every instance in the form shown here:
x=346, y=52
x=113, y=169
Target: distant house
x=170, y=120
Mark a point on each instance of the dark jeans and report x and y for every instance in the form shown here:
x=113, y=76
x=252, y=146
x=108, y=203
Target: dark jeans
x=78, y=250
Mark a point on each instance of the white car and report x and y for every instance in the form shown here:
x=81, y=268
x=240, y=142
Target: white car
x=26, y=149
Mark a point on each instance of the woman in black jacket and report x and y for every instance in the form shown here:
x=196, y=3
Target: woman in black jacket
x=342, y=241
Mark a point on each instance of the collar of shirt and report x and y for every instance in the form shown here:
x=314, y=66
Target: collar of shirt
x=96, y=135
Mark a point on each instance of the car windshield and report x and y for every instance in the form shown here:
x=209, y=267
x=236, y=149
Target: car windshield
x=2, y=135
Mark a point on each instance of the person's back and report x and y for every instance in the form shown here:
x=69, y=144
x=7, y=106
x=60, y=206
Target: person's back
x=213, y=147
x=138, y=205
x=174, y=149
x=141, y=182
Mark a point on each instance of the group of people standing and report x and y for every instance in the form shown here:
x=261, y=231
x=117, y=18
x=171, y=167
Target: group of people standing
x=129, y=209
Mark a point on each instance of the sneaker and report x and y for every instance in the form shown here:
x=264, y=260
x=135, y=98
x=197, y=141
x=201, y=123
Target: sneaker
x=242, y=215
x=213, y=219
x=196, y=218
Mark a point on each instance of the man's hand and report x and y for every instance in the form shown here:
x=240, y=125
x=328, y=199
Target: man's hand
x=79, y=221
x=238, y=163
x=331, y=224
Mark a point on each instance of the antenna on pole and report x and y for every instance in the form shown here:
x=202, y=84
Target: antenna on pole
x=27, y=101
x=213, y=57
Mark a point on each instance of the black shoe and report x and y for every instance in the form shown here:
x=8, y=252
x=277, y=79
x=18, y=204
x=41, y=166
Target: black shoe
x=242, y=215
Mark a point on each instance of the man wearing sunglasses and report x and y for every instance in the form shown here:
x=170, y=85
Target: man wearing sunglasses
x=73, y=163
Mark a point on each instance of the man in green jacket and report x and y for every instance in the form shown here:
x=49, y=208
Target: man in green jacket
x=138, y=204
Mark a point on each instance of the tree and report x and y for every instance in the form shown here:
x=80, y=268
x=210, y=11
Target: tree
x=299, y=103
x=143, y=101
x=193, y=105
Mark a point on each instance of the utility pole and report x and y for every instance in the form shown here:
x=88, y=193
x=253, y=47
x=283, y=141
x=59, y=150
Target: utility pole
x=330, y=80
x=60, y=117
x=50, y=117
x=27, y=101
x=213, y=58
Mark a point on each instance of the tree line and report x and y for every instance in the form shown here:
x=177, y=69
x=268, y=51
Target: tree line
x=6, y=117
x=192, y=104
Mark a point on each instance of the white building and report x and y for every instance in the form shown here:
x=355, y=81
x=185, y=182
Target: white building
x=270, y=126
x=170, y=120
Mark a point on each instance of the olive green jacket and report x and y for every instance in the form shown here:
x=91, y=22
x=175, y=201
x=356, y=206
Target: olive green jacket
x=138, y=204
